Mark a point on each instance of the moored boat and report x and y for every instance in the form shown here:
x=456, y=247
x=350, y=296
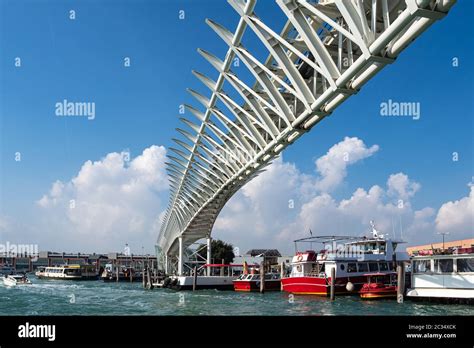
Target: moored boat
x=444, y=275
x=125, y=274
x=209, y=276
x=251, y=282
x=349, y=257
x=379, y=285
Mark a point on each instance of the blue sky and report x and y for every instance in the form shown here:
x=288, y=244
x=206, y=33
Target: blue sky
x=136, y=107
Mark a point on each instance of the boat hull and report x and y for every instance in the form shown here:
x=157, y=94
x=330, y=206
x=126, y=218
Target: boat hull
x=68, y=278
x=112, y=279
x=202, y=283
x=321, y=286
x=254, y=285
x=380, y=293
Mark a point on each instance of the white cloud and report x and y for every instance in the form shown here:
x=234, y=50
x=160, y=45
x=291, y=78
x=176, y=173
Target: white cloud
x=108, y=203
x=332, y=167
x=260, y=215
x=400, y=186
x=457, y=217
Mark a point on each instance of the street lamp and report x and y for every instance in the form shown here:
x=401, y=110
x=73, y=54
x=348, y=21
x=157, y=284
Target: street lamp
x=443, y=234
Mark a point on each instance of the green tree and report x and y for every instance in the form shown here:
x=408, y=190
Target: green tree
x=219, y=250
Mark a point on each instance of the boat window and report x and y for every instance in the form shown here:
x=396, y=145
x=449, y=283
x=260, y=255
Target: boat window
x=268, y=276
x=465, y=265
x=383, y=266
x=342, y=267
x=421, y=266
x=373, y=267
x=443, y=266
x=351, y=267
x=391, y=266
x=363, y=267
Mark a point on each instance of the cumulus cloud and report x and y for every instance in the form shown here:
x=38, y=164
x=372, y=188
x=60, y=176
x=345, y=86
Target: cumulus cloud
x=332, y=167
x=283, y=204
x=457, y=217
x=108, y=203
x=400, y=186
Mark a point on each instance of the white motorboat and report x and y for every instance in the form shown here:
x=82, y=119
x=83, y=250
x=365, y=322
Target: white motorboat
x=16, y=279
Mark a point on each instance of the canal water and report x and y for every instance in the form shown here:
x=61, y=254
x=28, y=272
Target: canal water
x=56, y=297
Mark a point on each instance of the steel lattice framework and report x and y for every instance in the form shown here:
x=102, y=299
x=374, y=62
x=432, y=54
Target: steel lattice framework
x=326, y=52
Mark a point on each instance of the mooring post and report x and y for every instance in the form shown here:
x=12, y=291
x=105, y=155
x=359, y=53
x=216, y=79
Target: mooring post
x=282, y=274
x=149, y=284
x=117, y=272
x=262, y=278
x=143, y=277
x=333, y=284
x=400, y=282
x=208, y=256
x=194, y=278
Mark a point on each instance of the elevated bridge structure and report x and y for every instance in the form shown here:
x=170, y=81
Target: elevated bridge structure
x=325, y=53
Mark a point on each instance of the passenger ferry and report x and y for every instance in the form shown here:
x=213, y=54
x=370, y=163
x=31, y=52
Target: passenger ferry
x=68, y=272
x=125, y=274
x=352, y=260
x=445, y=275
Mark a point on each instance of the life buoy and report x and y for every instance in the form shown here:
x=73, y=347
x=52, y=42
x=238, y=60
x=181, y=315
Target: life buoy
x=299, y=258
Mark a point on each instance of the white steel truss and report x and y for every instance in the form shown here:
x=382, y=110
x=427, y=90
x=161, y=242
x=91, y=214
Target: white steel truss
x=326, y=52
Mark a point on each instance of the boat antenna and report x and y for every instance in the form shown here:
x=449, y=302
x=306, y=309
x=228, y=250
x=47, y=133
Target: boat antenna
x=374, y=230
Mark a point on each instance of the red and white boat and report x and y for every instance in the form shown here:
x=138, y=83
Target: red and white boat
x=351, y=258
x=249, y=282
x=379, y=285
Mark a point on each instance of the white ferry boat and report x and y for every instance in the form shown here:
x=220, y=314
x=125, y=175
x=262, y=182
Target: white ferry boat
x=444, y=275
x=68, y=272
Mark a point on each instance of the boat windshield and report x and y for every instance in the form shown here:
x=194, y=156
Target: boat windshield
x=72, y=272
